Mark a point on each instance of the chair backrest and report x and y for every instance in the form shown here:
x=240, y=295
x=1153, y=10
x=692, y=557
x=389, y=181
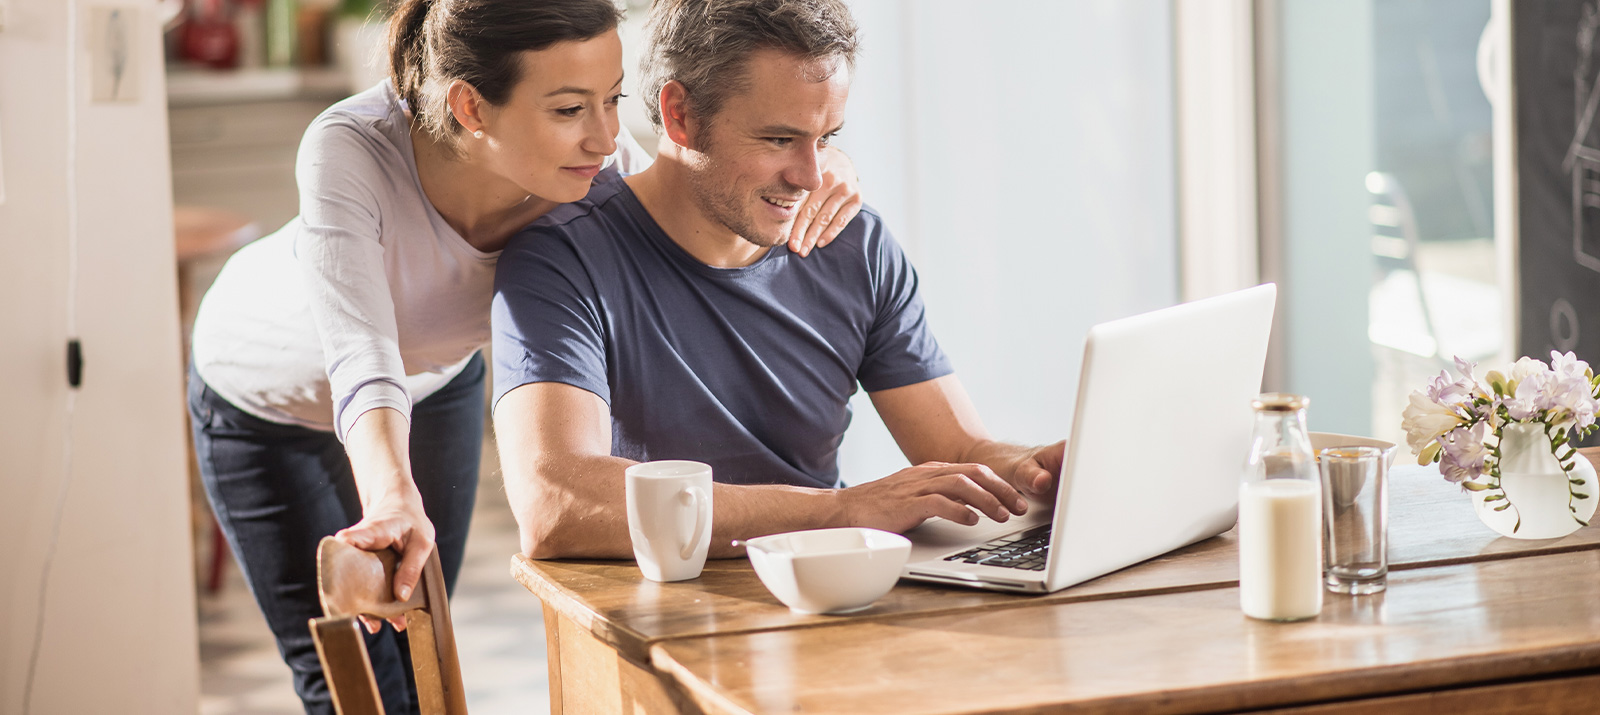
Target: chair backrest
x=1395, y=235
x=1396, y=239
x=353, y=582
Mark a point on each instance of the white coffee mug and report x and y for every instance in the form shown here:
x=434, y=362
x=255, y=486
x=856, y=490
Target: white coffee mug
x=669, y=517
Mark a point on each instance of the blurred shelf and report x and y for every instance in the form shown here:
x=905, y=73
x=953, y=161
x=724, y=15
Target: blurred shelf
x=192, y=87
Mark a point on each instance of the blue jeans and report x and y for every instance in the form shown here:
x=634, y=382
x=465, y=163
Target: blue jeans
x=278, y=489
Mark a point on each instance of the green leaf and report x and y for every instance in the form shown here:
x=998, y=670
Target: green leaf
x=1494, y=497
x=1576, y=495
x=1579, y=482
x=1474, y=486
x=1503, y=507
x=1518, y=527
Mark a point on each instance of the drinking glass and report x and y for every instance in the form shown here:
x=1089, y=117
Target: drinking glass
x=1355, y=518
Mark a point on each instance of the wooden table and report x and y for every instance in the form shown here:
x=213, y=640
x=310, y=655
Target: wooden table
x=1471, y=622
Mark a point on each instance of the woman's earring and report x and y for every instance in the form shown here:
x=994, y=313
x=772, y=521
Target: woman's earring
x=477, y=134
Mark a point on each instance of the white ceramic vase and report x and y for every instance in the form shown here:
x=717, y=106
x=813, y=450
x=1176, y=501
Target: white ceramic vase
x=1533, y=482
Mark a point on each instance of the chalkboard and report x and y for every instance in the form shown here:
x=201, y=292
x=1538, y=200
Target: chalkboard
x=1555, y=66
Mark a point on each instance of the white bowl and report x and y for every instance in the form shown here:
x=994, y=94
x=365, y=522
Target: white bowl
x=829, y=570
x=1329, y=440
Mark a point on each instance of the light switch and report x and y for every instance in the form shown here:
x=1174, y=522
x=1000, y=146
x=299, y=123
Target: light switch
x=113, y=64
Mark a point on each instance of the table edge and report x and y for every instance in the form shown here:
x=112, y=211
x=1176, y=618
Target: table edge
x=1296, y=691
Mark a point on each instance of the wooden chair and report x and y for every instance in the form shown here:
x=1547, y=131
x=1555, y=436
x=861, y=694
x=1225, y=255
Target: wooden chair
x=353, y=582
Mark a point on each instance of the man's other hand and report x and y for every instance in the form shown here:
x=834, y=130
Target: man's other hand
x=905, y=499
x=1038, y=471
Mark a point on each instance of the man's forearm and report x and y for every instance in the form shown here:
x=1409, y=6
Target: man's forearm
x=576, y=508
x=570, y=508
x=748, y=511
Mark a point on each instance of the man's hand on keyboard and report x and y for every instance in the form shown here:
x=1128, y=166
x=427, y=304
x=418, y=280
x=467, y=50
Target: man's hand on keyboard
x=901, y=501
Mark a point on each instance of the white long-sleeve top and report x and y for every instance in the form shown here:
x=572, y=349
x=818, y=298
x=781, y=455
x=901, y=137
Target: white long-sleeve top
x=366, y=299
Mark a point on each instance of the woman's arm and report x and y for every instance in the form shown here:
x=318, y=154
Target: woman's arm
x=391, y=508
x=338, y=248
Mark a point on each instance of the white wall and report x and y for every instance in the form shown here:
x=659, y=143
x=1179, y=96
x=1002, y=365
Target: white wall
x=1022, y=150
x=93, y=498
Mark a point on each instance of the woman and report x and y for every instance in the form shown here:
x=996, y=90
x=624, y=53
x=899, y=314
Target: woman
x=336, y=376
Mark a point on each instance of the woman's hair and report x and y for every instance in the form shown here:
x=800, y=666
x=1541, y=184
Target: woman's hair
x=435, y=42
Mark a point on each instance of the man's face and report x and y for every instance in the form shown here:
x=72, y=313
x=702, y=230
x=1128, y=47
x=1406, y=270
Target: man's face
x=763, y=151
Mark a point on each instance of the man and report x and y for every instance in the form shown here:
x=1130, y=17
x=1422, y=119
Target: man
x=656, y=320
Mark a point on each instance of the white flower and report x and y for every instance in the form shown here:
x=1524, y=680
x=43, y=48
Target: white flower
x=1534, y=392
x=1572, y=401
x=1568, y=365
x=1560, y=396
x=1527, y=367
x=1449, y=392
x=1424, y=420
x=1464, y=454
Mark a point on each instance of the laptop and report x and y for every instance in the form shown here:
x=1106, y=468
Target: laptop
x=1160, y=433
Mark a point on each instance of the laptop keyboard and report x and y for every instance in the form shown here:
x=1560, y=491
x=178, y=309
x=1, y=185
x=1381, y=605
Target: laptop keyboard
x=1026, y=551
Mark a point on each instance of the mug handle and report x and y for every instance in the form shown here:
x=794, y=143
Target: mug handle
x=702, y=511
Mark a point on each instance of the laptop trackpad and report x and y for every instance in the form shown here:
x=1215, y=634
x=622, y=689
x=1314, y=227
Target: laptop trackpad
x=939, y=537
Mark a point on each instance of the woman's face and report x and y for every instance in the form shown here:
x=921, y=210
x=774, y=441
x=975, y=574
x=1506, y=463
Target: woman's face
x=560, y=121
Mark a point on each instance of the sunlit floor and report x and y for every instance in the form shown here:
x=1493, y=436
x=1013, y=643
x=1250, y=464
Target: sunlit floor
x=499, y=630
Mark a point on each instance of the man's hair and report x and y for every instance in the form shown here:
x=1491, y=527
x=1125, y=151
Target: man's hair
x=703, y=44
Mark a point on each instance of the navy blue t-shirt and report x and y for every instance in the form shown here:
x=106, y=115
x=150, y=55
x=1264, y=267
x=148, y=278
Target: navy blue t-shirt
x=747, y=369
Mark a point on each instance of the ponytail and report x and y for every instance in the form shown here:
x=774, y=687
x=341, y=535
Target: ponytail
x=408, y=46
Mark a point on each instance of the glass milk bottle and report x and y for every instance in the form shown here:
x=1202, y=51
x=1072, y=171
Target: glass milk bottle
x=1280, y=516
